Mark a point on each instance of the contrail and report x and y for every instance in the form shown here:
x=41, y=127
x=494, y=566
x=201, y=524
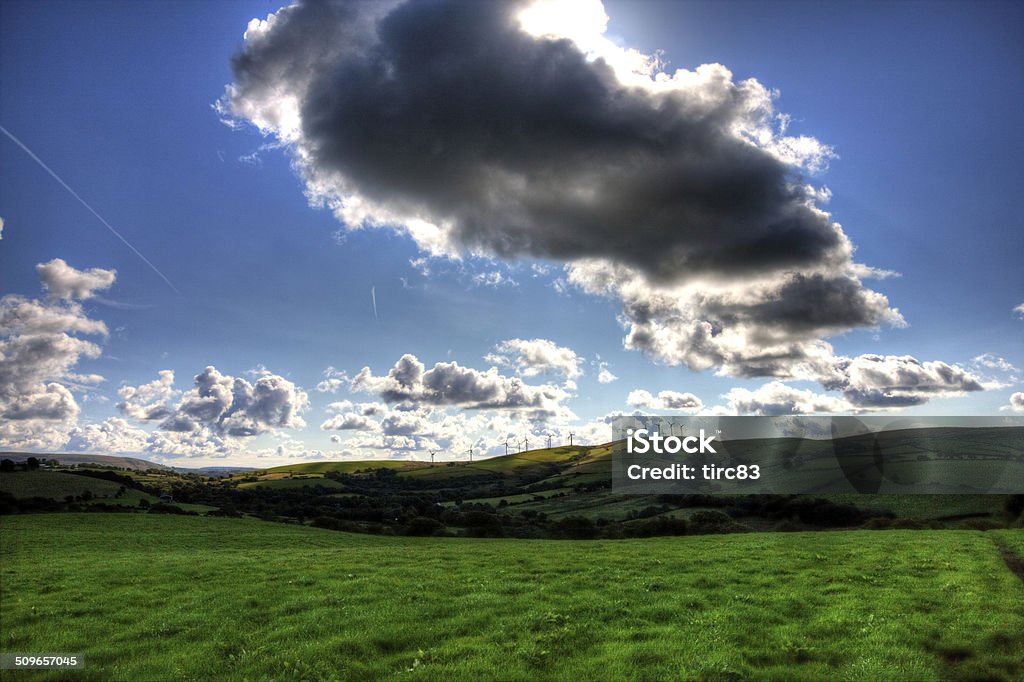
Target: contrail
x=373, y=297
x=91, y=209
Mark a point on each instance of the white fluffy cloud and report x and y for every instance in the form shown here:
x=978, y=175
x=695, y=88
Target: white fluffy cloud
x=990, y=361
x=450, y=409
x=448, y=383
x=213, y=419
x=150, y=401
x=1019, y=310
x=604, y=375
x=665, y=401
x=232, y=406
x=39, y=348
x=530, y=358
x=350, y=421
x=110, y=436
x=776, y=399
x=1016, y=403
x=879, y=381
x=332, y=381
x=63, y=281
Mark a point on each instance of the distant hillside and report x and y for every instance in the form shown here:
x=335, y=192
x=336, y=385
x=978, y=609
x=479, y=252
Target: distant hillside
x=56, y=485
x=72, y=459
x=214, y=472
x=553, y=459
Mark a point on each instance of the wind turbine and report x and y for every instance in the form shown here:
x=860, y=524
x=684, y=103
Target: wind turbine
x=527, y=443
x=432, y=453
x=506, y=446
x=471, y=454
x=549, y=441
x=571, y=434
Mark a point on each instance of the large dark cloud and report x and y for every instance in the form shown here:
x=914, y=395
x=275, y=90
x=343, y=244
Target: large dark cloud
x=449, y=112
x=476, y=130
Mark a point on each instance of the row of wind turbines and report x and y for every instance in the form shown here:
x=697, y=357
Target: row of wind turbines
x=521, y=446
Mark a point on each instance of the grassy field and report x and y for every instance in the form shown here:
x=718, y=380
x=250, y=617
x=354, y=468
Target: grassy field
x=291, y=483
x=53, y=484
x=147, y=597
x=56, y=485
x=341, y=467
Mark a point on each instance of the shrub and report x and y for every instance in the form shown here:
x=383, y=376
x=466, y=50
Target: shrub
x=661, y=525
x=1014, y=505
x=575, y=528
x=980, y=524
x=713, y=521
x=161, y=508
x=423, y=526
x=916, y=524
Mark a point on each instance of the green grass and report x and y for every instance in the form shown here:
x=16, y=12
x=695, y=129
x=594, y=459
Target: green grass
x=518, y=498
x=341, y=467
x=56, y=486
x=294, y=483
x=925, y=506
x=517, y=463
x=148, y=597
x=53, y=484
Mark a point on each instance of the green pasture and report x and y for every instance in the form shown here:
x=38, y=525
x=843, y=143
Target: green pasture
x=148, y=597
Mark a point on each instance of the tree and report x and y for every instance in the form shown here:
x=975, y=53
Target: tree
x=31, y=464
x=7, y=465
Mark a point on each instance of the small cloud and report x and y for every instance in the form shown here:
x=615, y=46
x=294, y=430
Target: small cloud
x=989, y=361
x=776, y=398
x=252, y=159
x=333, y=380
x=531, y=357
x=1016, y=403
x=1018, y=310
x=420, y=265
x=560, y=285
x=665, y=400
x=63, y=281
x=540, y=270
x=604, y=375
x=493, y=279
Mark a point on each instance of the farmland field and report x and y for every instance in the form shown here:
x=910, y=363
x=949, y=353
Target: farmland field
x=56, y=485
x=151, y=597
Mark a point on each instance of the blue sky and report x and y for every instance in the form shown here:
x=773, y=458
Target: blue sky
x=920, y=104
